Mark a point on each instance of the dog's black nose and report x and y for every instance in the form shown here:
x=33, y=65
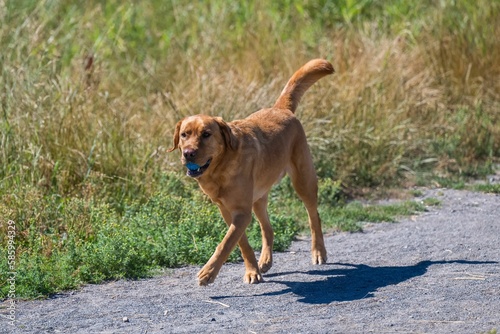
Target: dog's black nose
x=189, y=153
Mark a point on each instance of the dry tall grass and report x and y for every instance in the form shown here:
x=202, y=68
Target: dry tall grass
x=90, y=93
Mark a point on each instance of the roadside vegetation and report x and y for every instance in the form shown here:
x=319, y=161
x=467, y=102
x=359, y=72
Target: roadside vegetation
x=90, y=93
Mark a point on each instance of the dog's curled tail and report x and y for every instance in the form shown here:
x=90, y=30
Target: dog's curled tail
x=300, y=81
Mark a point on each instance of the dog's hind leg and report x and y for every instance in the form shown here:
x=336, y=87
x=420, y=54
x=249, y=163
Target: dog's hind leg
x=305, y=183
x=266, y=256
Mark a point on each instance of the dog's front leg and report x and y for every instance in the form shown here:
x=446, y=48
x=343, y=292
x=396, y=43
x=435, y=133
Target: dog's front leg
x=252, y=272
x=236, y=232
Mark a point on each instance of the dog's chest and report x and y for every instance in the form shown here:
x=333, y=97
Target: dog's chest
x=211, y=189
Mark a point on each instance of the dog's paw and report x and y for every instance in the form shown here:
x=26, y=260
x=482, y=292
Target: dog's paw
x=319, y=256
x=252, y=277
x=265, y=262
x=206, y=275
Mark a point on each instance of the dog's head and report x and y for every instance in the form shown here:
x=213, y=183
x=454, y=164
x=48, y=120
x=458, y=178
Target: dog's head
x=202, y=140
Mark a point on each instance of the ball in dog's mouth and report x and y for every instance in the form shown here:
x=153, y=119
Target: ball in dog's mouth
x=195, y=170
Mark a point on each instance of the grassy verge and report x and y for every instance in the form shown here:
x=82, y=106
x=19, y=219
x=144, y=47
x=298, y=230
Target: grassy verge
x=487, y=188
x=65, y=242
x=90, y=93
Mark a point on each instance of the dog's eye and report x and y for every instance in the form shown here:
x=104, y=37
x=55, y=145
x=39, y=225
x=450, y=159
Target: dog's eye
x=183, y=135
x=206, y=134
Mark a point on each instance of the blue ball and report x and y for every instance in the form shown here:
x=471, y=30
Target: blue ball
x=192, y=166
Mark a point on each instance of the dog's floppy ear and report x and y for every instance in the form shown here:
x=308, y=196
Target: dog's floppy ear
x=176, y=136
x=229, y=137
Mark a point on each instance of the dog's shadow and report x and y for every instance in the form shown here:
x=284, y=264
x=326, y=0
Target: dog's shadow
x=350, y=282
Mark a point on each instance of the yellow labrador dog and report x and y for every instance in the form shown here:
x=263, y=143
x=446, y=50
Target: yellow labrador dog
x=237, y=163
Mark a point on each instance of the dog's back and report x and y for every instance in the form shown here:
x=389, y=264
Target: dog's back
x=270, y=135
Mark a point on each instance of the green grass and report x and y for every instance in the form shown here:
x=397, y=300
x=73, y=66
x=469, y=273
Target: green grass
x=487, y=188
x=431, y=201
x=90, y=93
x=352, y=216
x=493, y=331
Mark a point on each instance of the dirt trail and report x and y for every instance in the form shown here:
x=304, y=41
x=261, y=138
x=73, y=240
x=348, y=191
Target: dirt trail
x=438, y=272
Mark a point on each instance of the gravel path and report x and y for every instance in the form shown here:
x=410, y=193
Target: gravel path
x=438, y=272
